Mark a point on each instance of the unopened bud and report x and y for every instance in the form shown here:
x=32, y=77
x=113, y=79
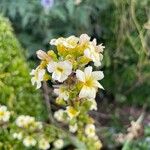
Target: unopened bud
x=42, y=55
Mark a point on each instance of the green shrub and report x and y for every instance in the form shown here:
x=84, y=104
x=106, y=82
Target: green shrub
x=16, y=90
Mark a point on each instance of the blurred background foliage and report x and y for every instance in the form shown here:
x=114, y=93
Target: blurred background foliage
x=122, y=25
x=16, y=90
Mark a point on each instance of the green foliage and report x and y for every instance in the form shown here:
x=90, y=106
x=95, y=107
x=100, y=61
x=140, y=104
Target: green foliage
x=119, y=24
x=16, y=90
x=127, y=57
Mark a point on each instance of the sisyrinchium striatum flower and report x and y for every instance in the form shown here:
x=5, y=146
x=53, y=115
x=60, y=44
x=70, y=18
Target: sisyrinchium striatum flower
x=75, y=84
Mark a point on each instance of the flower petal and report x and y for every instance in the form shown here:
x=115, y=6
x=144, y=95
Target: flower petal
x=38, y=84
x=32, y=72
x=53, y=42
x=67, y=67
x=88, y=72
x=87, y=92
x=80, y=75
x=41, y=73
x=87, y=53
x=84, y=92
x=92, y=93
x=33, y=80
x=51, y=66
x=62, y=77
x=98, y=75
x=97, y=84
x=97, y=63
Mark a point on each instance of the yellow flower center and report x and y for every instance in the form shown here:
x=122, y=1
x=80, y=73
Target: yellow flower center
x=59, y=69
x=72, y=111
x=91, y=131
x=89, y=82
x=1, y=113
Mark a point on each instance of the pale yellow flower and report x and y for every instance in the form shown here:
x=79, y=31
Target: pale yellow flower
x=61, y=70
x=59, y=115
x=58, y=144
x=70, y=42
x=17, y=136
x=93, y=55
x=62, y=93
x=72, y=112
x=29, y=141
x=93, y=52
x=38, y=76
x=89, y=81
x=98, y=144
x=73, y=128
x=4, y=114
x=43, y=144
x=25, y=121
x=90, y=130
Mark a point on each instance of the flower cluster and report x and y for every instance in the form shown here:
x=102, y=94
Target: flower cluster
x=28, y=122
x=31, y=133
x=75, y=81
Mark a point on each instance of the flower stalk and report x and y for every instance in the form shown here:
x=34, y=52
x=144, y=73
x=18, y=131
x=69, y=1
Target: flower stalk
x=75, y=82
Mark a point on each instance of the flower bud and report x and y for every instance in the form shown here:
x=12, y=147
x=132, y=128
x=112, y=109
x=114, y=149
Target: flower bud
x=42, y=55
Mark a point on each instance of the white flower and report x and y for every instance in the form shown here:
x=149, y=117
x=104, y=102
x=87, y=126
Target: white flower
x=58, y=115
x=89, y=81
x=38, y=77
x=29, y=141
x=90, y=130
x=17, y=136
x=4, y=114
x=58, y=144
x=60, y=70
x=70, y=42
x=73, y=128
x=93, y=105
x=62, y=93
x=72, y=112
x=43, y=144
x=91, y=53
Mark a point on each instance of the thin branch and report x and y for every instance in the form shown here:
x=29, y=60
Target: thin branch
x=47, y=102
